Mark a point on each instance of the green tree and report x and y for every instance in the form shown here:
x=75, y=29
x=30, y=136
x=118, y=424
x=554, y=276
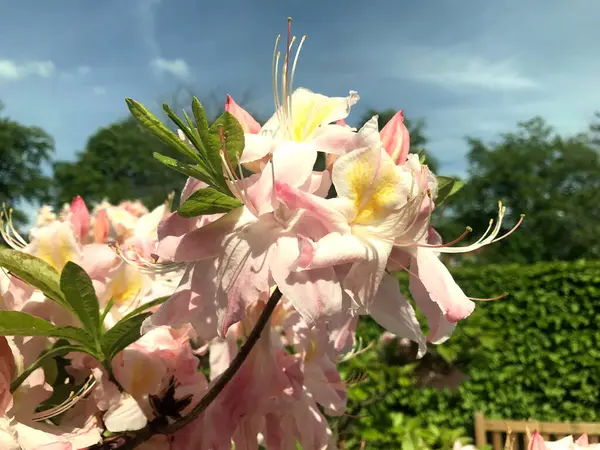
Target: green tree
x=117, y=164
x=416, y=129
x=23, y=152
x=554, y=180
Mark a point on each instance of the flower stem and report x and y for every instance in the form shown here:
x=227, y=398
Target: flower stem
x=158, y=426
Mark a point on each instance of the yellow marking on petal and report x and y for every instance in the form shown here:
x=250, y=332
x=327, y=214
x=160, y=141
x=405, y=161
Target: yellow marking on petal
x=125, y=286
x=375, y=194
x=311, y=351
x=143, y=379
x=57, y=250
x=310, y=113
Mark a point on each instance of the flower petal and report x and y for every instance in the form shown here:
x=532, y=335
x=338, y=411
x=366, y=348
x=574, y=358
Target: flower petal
x=440, y=286
x=248, y=123
x=395, y=138
x=393, y=312
x=314, y=293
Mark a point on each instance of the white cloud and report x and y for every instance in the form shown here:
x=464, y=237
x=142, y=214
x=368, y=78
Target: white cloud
x=84, y=70
x=99, y=90
x=176, y=67
x=454, y=68
x=12, y=70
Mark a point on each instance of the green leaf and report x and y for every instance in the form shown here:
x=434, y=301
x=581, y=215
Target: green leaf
x=53, y=352
x=189, y=133
x=34, y=271
x=191, y=170
x=158, y=129
x=201, y=120
x=447, y=187
x=122, y=334
x=80, y=294
x=146, y=306
x=233, y=135
x=17, y=323
x=207, y=201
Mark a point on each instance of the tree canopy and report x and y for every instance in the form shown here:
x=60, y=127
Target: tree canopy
x=554, y=180
x=117, y=164
x=23, y=152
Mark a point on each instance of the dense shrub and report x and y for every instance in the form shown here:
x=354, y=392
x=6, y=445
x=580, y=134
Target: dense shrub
x=534, y=354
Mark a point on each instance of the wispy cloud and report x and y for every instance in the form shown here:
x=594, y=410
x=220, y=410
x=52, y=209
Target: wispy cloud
x=84, y=70
x=13, y=70
x=146, y=10
x=176, y=67
x=99, y=90
x=454, y=69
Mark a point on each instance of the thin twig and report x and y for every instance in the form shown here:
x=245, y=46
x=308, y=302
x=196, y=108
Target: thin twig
x=158, y=426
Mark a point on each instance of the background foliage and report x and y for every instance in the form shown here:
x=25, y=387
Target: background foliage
x=534, y=354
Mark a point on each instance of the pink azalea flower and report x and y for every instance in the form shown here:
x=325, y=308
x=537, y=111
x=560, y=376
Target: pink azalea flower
x=19, y=425
x=273, y=391
x=254, y=245
x=159, y=358
x=567, y=443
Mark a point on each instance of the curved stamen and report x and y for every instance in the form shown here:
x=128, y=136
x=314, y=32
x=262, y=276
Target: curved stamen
x=447, y=244
x=68, y=403
x=489, y=299
x=143, y=265
x=8, y=232
x=292, y=77
x=512, y=230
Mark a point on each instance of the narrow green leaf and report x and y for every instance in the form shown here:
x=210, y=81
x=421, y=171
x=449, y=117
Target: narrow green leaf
x=79, y=292
x=208, y=201
x=191, y=170
x=191, y=125
x=53, y=352
x=146, y=306
x=189, y=133
x=17, y=323
x=158, y=129
x=447, y=187
x=201, y=121
x=35, y=272
x=234, y=141
x=107, y=309
x=122, y=334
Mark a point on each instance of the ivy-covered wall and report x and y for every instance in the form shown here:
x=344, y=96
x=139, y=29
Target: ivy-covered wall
x=533, y=354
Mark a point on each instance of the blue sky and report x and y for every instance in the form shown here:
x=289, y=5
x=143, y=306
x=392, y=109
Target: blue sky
x=470, y=67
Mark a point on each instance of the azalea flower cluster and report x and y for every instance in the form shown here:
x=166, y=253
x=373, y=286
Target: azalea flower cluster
x=269, y=248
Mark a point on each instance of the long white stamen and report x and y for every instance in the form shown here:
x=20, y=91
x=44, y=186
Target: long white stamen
x=68, y=403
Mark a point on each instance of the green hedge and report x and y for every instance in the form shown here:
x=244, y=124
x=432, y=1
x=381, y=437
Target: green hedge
x=534, y=354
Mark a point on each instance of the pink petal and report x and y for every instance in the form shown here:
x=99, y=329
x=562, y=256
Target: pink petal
x=393, y=312
x=56, y=446
x=314, y=293
x=193, y=302
x=191, y=186
x=243, y=274
x=295, y=199
x=248, y=123
x=256, y=146
x=317, y=184
x=440, y=286
x=331, y=250
x=204, y=242
x=101, y=227
x=363, y=279
x=80, y=218
x=395, y=138
x=291, y=163
x=583, y=440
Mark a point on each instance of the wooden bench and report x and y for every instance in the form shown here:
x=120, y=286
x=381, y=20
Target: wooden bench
x=520, y=430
